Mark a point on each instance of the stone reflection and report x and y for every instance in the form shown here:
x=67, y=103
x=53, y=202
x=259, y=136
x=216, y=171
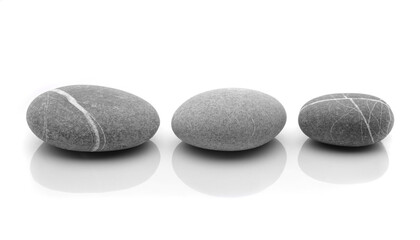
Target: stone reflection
x=343, y=165
x=78, y=172
x=229, y=174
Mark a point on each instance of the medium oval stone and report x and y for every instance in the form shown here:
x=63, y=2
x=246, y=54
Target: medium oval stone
x=230, y=119
x=346, y=119
x=92, y=118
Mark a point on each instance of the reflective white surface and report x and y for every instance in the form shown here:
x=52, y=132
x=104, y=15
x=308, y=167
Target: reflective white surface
x=77, y=172
x=166, y=52
x=343, y=165
x=229, y=174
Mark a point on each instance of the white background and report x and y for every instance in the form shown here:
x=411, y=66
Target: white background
x=168, y=51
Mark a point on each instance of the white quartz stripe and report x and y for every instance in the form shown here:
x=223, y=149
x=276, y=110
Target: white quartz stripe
x=363, y=117
x=356, y=108
x=88, y=116
x=337, y=99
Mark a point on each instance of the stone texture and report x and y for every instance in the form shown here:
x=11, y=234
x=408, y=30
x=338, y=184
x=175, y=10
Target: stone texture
x=346, y=119
x=229, y=119
x=92, y=118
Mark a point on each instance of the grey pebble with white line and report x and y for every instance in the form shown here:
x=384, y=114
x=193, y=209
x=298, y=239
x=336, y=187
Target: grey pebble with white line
x=92, y=118
x=346, y=119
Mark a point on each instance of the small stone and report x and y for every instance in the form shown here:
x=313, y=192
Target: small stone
x=346, y=119
x=92, y=118
x=230, y=119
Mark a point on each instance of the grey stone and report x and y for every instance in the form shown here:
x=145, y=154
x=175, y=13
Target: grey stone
x=230, y=119
x=346, y=119
x=92, y=118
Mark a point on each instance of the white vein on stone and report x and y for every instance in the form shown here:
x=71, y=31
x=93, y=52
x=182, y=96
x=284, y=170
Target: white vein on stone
x=380, y=121
x=47, y=102
x=337, y=99
x=253, y=127
x=91, y=120
x=335, y=122
x=102, y=131
x=390, y=118
x=371, y=110
x=363, y=116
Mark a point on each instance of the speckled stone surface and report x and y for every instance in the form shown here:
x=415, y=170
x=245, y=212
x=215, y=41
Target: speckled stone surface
x=346, y=119
x=92, y=118
x=230, y=119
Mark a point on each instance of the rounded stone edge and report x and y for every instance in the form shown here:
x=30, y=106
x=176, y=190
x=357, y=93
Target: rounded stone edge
x=282, y=109
x=39, y=136
x=324, y=97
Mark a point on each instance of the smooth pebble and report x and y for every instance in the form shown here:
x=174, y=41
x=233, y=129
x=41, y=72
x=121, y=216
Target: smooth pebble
x=92, y=118
x=230, y=119
x=346, y=119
